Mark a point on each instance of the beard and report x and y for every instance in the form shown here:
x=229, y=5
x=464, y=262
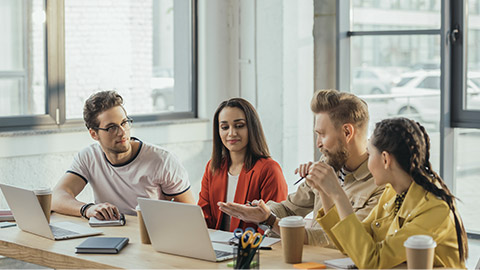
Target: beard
x=336, y=159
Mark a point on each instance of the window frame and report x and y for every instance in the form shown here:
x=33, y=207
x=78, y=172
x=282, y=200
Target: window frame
x=461, y=117
x=453, y=83
x=344, y=34
x=55, y=95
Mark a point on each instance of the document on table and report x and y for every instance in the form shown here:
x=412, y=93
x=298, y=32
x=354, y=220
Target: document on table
x=344, y=263
x=227, y=238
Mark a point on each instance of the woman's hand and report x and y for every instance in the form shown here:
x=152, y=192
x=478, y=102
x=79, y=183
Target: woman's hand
x=323, y=178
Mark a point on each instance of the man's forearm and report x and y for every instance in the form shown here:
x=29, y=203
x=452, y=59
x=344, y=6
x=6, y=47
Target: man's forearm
x=65, y=203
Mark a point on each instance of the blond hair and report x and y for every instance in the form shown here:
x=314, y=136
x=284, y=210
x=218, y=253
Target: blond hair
x=341, y=107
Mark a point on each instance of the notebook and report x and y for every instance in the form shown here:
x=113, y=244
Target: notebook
x=102, y=245
x=30, y=218
x=180, y=229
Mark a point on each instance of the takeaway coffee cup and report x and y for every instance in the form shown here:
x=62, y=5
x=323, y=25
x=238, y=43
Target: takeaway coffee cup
x=292, y=231
x=44, y=196
x=420, y=250
x=141, y=225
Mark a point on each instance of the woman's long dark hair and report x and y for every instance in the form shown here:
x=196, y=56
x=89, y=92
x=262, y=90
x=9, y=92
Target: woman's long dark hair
x=409, y=143
x=257, y=144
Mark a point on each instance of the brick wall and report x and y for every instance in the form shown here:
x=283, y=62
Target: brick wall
x=108, y=45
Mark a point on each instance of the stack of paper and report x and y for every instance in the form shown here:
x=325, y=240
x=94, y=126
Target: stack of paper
x=6, y=215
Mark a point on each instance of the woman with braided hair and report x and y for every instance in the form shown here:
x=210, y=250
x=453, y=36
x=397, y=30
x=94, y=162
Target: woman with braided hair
x=415, y=201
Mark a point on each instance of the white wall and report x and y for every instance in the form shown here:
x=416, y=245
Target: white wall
x=278, y=80
x=280, y=48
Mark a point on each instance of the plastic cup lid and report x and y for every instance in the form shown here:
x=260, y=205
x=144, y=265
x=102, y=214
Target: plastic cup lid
x=43, y=191
x=292, y=221
x=420, y=242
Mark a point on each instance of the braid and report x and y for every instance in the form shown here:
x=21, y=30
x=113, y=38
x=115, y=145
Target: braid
x=410, y=144
x=449, y=198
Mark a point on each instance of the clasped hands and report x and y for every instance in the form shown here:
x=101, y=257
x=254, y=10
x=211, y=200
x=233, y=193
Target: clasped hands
x=320, y=176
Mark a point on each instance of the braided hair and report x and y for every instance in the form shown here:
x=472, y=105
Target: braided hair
x=409, y=143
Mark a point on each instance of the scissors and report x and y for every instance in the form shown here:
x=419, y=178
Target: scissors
x=250, y=242
x=238, y=232
x=251, y=239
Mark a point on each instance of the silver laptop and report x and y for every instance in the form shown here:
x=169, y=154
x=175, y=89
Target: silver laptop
x=30, y=217
x=180, y=229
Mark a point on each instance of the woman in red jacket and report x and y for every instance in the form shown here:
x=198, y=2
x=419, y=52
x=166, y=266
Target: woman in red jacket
x=240, y=169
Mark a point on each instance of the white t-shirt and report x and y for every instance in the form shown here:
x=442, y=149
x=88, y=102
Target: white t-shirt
x=152, y=173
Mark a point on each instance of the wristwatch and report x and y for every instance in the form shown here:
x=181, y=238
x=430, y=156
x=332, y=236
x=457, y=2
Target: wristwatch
x=268, y=223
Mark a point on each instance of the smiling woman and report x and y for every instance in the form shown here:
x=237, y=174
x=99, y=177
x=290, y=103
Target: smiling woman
x=240, y=169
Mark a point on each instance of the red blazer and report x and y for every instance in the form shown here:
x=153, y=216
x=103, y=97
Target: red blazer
x=264, y=181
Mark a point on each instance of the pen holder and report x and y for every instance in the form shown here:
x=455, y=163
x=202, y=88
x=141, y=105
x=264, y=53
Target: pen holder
x=245, y=259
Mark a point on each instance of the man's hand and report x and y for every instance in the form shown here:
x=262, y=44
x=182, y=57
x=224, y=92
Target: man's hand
x=322, y=177
x=302, y=169
x=255, y=212
x=103, y=211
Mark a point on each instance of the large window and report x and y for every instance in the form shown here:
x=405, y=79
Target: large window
x=22, y=54
x=413, y=59
x=145, y=50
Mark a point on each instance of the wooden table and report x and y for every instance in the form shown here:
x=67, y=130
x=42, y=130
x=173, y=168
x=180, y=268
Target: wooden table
x=28, y=247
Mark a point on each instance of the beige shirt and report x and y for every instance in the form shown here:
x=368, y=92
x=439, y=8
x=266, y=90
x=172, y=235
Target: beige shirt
x=359, y=187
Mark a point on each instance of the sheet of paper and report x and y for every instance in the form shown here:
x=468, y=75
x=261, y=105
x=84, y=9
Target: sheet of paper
x=344, y=263
x=225, y=238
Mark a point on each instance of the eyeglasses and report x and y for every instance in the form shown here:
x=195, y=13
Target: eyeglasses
x=113, y=129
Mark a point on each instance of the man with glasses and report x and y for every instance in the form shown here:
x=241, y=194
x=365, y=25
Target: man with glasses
x=119, y=168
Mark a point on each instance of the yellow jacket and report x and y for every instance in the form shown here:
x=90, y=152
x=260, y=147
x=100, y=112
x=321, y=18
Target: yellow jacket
x=377, y=242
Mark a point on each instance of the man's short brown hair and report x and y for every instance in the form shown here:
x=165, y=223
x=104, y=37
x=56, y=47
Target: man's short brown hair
x=98, y=103
x=342, y=107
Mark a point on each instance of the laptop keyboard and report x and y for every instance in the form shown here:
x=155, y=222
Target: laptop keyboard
x=59, y=232
x=221, y=254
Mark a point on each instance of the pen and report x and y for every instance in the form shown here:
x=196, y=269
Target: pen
x=7, y=224
x=251, y=204
x=298, y=180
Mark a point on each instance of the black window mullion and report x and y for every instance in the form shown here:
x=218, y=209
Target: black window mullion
x=394, y=32
x=461, y=117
